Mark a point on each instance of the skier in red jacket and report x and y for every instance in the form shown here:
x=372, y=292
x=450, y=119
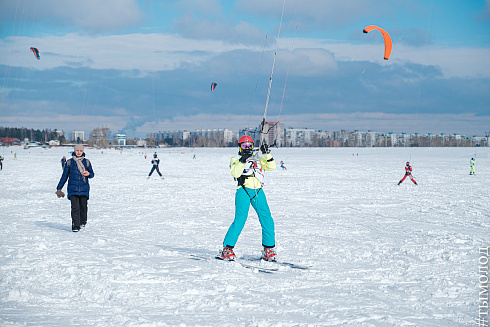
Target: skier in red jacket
x=408, y=173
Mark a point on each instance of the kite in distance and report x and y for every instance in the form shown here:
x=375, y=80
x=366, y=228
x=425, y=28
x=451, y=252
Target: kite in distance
x=36, y=53
x=386, y=37
x=213, y=86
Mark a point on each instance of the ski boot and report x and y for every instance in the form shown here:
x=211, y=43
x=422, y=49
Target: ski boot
x=268, y=254
x=227, y=254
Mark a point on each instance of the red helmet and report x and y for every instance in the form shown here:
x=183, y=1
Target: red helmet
x=245, y=144
x=245, y=138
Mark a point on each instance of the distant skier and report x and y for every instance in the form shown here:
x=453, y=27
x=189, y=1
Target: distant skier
x=63, y=163
x=282, y=165
x=145, y=155
x=77, y=171
x=1, y=163
x=248, y=170
x=472, y=166
x=155, y=162
x=408, y=173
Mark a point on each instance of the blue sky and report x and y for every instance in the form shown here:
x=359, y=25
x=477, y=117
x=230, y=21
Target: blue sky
x=146, y=66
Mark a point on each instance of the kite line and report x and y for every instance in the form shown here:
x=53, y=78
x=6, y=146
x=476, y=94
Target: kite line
x=262, y=133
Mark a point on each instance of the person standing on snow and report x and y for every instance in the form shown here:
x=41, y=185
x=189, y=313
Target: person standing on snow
x=1, y=163
x=77, y=171
x=63, y=163
x=408, y=173
x=155, y=162
x=472, y=166
x=248, y=170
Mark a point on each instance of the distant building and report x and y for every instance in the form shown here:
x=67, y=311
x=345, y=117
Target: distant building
x=212, y=137
x=479, y=141
x=76, y=136
x=274, y=133
x=299, y=137
x=404, y=139
x=371, y=138
x=8, y=141
x=228, y=135
x=120, y=139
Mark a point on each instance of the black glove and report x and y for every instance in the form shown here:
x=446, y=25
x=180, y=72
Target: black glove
x=244, y=158
x=265, y=149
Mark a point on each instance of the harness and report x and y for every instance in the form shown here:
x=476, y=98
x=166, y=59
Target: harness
x=408, y=170
x=242, y=178
x=241, y=182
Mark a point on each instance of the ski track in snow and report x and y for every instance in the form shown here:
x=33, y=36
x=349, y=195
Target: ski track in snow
x=380, y=254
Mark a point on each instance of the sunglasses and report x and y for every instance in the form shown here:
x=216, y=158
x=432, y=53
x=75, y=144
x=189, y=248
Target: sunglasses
x=247, y=145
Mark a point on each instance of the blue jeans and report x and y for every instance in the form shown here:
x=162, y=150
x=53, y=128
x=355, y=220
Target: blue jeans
x=243, y=198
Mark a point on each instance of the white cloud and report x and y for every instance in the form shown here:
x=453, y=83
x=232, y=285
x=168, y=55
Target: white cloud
x=307, y=62
x=154, y=52
x=318, y=12
x=198, y=28
x=208, y=7
x=147, y=52
x=454, y=62
x=88, y=15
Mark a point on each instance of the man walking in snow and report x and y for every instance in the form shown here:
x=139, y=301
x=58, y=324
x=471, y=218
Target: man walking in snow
x=155, y=162
x=408, y=173
x=248, y=170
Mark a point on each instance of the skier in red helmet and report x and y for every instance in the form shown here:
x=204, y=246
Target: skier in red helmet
x=248, y=170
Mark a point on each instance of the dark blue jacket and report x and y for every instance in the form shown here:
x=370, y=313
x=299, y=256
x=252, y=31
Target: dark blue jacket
x=76, y=185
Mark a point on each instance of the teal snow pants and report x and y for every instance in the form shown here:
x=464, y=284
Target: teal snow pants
x=243, y=198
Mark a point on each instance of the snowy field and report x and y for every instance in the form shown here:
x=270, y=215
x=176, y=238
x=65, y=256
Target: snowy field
x=379, y=254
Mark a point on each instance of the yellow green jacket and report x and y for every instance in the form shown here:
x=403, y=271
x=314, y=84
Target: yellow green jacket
x=253, y=170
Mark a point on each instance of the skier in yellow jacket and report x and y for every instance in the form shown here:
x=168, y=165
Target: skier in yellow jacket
x=248, y=170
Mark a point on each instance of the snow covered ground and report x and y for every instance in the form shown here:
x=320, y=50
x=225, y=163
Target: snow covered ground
x=379, y=254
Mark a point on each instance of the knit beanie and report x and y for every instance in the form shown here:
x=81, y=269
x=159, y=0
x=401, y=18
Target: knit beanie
x=78, y=147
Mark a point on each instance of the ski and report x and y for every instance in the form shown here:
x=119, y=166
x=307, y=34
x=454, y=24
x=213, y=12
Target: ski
x=242, y=263
x=291, y=265
x=282, y=263
x=253, y=267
